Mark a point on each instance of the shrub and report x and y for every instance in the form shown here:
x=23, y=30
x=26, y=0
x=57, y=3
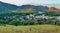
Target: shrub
x=41, y=21
x=4, y=22
x=27, y=22
x=14, y=22
x=58, y=23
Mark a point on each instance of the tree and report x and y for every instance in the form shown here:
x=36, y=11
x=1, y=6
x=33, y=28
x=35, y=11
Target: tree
x=28, y=22
x=14, y=22
x=41, y=21
x=4, y=22
x=58, y=23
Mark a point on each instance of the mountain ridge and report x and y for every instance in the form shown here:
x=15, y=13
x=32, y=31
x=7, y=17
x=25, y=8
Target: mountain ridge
x=6, y=7
x=54, y=9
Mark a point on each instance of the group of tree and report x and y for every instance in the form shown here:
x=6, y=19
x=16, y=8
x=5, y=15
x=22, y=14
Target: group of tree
x=17, y=22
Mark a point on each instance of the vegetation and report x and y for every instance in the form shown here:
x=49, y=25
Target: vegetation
x=30, y=29
x=15, y=19
x=58, y=24
x=52, y=13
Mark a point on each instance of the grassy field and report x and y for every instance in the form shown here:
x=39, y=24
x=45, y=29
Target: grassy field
x=30, y=29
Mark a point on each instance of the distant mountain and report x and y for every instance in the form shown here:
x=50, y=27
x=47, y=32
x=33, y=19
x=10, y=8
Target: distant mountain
x=53, y=9
x=30, y=8
x=4, y=7
x=37, y=8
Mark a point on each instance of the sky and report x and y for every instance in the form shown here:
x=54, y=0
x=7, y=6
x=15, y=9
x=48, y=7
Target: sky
x=54, y=3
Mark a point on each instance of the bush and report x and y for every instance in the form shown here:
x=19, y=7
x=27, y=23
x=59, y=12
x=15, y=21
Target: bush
x=4, y=22
x=14, y=22
x=17, y=22
x=27, y=22
x=41, y=21
x=58, y=23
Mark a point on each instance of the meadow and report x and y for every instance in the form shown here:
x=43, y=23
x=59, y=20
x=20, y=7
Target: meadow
x=30, y=29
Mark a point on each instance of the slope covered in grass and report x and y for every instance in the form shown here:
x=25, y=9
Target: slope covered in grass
x=30, y=29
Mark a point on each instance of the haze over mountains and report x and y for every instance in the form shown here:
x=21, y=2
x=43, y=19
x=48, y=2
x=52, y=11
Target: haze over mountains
x=5, y=7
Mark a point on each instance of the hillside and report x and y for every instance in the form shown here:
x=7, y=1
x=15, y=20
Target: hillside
x=30, y=8
x=30, y=29
x=53, y=9
x=5, y=7
x=37, y=8
x=26, y=10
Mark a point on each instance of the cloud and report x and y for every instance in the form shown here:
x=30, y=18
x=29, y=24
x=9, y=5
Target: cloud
x=33, y=2
x=21, y=2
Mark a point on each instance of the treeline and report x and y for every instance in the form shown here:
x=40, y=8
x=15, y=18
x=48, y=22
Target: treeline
x=17, y=22
x=51, y=13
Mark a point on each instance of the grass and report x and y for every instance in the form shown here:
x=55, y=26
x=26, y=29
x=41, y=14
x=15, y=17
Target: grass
x=30, y=29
